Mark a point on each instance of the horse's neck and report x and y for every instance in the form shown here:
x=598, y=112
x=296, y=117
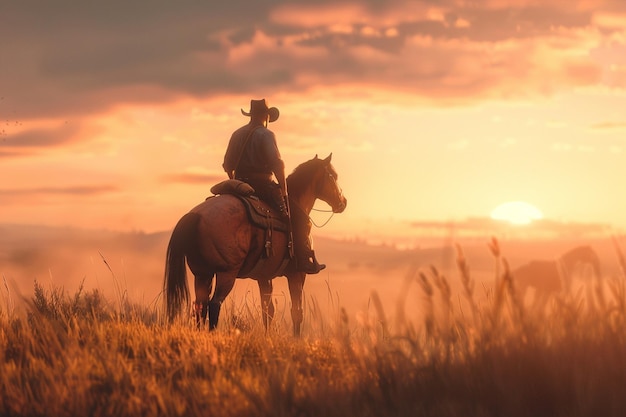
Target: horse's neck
x=305, y=200
x=572, y=261
x=568, y=263
x=563, y=268
x=575, y=257
x=304, y=204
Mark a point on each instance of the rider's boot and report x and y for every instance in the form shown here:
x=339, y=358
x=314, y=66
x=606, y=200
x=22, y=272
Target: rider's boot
x=305, y=256
x=307, y=262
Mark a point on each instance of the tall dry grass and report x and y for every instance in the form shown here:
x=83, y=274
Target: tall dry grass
x=468, y=354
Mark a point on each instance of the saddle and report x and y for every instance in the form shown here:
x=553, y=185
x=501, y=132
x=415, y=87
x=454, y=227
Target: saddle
x=260, y=215
x=259, y=212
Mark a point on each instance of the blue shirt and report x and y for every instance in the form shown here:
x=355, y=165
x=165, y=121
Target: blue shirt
x=260, y=153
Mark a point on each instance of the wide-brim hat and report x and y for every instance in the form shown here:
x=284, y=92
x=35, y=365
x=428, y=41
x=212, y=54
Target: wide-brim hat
x=259, y=107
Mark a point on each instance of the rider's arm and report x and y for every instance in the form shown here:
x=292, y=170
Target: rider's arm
x=275, y=162
x=278, y=168
x=279, y=173
x=230, y=172
x=227, y=165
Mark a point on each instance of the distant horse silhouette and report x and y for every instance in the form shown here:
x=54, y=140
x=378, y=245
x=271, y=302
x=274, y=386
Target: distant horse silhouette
x=217, y=239
x=551, y=277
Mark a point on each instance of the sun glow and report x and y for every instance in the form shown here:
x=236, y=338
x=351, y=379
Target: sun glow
x=516, y=212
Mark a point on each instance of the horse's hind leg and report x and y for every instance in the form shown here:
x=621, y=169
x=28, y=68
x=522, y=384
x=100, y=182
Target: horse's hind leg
x=267, y=306
x=224, y=283
x=203, y=291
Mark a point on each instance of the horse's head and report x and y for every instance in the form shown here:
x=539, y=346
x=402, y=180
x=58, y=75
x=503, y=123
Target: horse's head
x=327, y=188
x=580, y=258
x=317, y=179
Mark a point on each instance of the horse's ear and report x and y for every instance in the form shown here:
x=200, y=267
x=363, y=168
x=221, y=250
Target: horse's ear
x=328, y=158
x=316, y=157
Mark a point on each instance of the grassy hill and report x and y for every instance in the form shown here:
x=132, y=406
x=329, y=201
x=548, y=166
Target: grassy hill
x=80, y=353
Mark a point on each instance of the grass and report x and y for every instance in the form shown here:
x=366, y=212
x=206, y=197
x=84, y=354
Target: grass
x=467, y=355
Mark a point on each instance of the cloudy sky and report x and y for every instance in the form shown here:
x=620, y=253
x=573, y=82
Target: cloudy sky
x=116, y=114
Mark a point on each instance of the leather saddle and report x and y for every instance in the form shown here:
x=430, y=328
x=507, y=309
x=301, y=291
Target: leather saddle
x=259, y=212
x=261, y=215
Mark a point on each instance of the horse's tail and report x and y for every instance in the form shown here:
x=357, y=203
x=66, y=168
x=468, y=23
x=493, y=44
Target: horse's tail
x=175, y=284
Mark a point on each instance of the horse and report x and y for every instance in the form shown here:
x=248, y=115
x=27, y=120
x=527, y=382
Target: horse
x=549, y=277
x=219, y=244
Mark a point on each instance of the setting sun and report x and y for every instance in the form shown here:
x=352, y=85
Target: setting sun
x=516, y=212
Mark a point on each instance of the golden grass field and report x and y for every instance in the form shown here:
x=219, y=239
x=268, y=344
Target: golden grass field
x=447, y=346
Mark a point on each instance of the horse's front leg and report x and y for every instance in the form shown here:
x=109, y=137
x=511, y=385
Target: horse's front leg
x=296, y=285
x=267, y=305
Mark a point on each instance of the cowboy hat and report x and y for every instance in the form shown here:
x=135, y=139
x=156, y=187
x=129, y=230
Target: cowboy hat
x=260, y=107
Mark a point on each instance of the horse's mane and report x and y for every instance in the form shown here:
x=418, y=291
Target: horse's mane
x=303, y=174
x=582, y=254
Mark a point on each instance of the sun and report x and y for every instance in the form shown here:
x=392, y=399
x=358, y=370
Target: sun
x=516, y=212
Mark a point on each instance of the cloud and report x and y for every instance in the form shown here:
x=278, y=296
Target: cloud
x=604, y=126
x=8, y=194
x=607, y=20
x=40, y=137
x=193, y=178
x=73, y=190
x=85, y=58
x=486, y=225
x=8, y=154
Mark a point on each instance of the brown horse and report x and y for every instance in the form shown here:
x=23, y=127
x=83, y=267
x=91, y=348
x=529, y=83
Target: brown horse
x=550, y=277
x=217, y=240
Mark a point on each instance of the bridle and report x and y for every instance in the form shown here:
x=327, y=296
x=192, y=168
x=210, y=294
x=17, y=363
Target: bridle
x=331, y=211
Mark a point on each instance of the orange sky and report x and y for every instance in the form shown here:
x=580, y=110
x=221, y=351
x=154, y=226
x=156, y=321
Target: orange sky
x=117, y=114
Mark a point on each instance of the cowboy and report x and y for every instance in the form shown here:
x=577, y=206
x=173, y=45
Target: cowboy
x=252, y=156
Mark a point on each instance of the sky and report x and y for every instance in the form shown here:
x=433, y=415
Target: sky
x=116, y=114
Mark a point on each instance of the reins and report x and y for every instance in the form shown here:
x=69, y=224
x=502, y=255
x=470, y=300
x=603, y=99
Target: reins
x=332, y=213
